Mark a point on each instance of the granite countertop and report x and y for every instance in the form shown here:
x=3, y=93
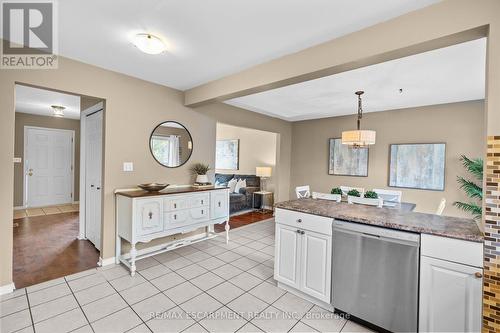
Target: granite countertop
x=138, y=193
x=446, y=226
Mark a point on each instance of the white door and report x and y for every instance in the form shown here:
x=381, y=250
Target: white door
x=316, y=265
x=287, y=265
x=450, y=296
x=93, y=177
x=48, y=166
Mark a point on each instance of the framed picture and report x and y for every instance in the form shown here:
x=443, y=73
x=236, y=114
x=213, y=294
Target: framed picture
x=347, y=161
x=227, y=154
x=418, y=166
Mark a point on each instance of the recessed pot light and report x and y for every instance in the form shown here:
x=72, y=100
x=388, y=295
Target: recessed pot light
x=149, y=44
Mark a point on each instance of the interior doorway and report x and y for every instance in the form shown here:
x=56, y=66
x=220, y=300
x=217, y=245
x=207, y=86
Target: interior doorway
x=58, y=153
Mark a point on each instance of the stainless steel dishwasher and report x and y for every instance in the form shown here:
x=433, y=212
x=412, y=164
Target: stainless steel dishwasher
x=375, y=275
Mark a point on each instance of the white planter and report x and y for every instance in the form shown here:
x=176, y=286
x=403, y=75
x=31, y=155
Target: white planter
x=202, y=179
x=365, y=201
x=326, y=196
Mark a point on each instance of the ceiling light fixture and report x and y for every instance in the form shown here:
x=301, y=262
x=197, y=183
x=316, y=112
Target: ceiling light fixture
x=58, y=110
x=149, y=44
x=359, y=138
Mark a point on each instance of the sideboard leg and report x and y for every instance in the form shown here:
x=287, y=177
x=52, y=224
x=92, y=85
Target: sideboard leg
x=227, y=231
x=133, y=255
x=118, y=249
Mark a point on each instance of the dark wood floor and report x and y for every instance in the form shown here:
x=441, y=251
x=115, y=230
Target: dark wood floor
x=244, y=219
x=46, y=247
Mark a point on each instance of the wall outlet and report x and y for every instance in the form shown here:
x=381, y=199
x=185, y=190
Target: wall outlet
x=128, y=166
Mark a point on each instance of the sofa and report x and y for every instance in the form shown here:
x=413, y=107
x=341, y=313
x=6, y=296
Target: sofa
x=241, y=201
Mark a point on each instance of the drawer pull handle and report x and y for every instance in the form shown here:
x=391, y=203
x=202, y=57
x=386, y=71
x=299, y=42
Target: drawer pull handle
x=202, y=202
x=150, y=215
x=175, y=217
x=478, y=275
x=202, y=212
x=299, y=220
x=175, y=205
x=219, y=203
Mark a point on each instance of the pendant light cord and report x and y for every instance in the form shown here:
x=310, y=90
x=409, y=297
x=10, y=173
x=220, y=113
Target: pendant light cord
x=360, y=108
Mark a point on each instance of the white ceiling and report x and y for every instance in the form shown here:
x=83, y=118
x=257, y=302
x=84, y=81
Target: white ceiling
x=447, y=75
x=38, y=101
x=209, y=39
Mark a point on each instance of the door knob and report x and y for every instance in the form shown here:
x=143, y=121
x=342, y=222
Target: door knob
x=478, y=275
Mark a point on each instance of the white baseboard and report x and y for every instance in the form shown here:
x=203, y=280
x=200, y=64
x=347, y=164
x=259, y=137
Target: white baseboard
x=19, y=207
x=7, y=289
x=81, y=237
x=76, y=202
x=106, y=262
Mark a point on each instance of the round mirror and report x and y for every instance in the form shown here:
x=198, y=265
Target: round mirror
x=171, y=144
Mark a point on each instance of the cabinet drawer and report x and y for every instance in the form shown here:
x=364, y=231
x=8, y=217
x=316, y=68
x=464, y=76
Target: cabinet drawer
x=178, y=203
x=199, y=200
x=199, y=214
x=456, y=250
x=304, y=221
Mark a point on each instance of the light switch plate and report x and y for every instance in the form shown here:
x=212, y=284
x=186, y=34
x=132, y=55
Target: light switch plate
x=128, y=166
x=18, y=159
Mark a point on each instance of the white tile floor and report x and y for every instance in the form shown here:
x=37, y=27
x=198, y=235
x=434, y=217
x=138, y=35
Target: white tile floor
x=229, y=290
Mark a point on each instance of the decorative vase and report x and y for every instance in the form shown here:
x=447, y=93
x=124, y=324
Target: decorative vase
x=202, y=179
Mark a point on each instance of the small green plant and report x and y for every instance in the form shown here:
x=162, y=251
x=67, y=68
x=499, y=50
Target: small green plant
x=354, y=193
x=472, y=188
x=371, y=195
x=336, y=190
x=200, y=169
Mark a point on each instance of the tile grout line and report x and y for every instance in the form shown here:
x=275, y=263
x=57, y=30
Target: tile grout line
x=80, y=307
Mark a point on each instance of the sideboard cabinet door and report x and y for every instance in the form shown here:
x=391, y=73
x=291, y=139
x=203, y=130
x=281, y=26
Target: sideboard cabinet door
x=219, y=204
x=149, y=216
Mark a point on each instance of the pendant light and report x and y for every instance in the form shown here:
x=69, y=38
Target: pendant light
x=358, y=138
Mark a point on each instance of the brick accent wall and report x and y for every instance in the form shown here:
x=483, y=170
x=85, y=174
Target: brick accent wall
x=491, y=285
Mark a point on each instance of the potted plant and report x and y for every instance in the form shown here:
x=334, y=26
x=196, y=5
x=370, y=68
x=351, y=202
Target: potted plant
x=472, y=188
x=336, y=190
x=369, y=198
x=200, y=170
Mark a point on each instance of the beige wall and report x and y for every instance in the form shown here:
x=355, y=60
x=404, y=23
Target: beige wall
x=25, y=119
x=257, y=148
x=459, y=125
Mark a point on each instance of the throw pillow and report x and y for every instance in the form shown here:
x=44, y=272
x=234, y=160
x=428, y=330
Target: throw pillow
x=232, y=185
x=239, y=185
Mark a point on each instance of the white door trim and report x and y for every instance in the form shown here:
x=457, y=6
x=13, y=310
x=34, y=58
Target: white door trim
x=25, y=183
x=99, y=107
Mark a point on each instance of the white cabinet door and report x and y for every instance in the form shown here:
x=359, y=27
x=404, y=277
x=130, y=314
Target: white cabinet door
x=450, y=296
x=316, y=265
x=219, y=203
x=149, y=216
x=287, y=262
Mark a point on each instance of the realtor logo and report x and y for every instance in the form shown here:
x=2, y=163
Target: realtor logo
x=28, y=34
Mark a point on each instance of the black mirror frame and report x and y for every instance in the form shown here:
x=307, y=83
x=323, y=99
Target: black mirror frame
x=151, y=151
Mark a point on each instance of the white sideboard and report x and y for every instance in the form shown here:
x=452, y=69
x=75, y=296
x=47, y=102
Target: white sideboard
x=142, y=217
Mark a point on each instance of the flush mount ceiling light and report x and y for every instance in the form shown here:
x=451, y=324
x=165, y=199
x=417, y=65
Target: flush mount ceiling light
x=358, y=138
x=149, y=44
x=58, y=110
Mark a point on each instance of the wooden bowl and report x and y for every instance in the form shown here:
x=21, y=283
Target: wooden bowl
x=153, y=187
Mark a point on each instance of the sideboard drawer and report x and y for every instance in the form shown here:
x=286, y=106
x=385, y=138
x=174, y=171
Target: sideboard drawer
x=304, y=221
x=199, y=200
x=178, y=203
x=199, y=214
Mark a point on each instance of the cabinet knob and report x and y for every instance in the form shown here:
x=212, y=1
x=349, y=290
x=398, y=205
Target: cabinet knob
x=478, y=275
x=202, y=202
x=298, y=231
x=219, y=203
x=175, y=217
x=175, y=205
x=150, y=215
x=202, y=212
x=299, y=220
